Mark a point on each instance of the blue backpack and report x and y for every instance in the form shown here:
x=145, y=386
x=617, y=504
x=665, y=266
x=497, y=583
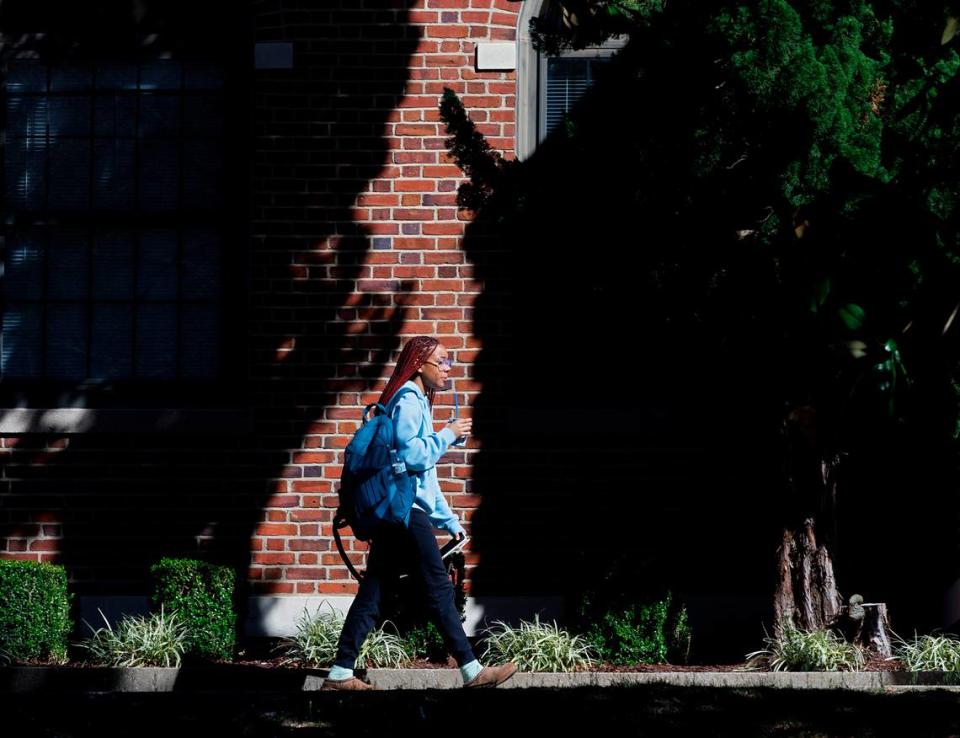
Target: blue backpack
x=376, y=490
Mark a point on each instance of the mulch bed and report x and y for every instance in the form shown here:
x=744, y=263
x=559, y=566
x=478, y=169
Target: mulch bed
x=262, y=653
x=874, y=664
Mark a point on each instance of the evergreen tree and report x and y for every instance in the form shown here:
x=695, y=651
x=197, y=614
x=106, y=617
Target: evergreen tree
x=790, y=171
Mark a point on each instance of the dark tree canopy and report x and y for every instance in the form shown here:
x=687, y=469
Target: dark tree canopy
x=766, y=198
x=812, y=147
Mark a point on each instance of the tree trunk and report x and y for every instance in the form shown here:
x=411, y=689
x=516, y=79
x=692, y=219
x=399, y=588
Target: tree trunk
x=806, y=594
x=807, y=591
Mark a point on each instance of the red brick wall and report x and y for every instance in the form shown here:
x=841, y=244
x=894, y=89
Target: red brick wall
x=352, y=245
x=387, y=244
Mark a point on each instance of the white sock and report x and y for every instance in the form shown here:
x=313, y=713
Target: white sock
x=338, y=672
x=469, y=671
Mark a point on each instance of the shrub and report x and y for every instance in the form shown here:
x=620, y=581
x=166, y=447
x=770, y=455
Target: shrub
x=802, y=650
x=34, y=610
x=156, y=640
x=536, y=647
x=653, y=633
x=317, y=636
x=426, y=642
x=202, y=594
x=929, y=652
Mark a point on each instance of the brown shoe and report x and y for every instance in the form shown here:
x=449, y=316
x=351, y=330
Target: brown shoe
x=349, y=683
x=491, y=676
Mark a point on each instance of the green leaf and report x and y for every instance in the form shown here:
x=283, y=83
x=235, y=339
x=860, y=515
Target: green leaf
x=852, y=316
x=950, y=30
x=820, y=293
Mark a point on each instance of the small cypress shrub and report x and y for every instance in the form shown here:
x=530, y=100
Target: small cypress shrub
x=425, y=641
x=34, y=611
x=202, y=595
x=641, y=633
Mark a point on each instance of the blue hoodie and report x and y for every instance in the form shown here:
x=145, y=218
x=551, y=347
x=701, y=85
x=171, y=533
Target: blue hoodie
x=421, y=448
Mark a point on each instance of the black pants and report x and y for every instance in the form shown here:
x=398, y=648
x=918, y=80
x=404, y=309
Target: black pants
x=400, y=550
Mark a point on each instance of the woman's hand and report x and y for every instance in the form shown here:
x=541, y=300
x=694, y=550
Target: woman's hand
x=461, y=426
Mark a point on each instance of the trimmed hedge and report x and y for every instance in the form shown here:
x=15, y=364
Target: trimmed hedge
x=34, y=610
x=202, y=595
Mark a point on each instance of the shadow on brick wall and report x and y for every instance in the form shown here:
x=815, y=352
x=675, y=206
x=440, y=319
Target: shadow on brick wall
x=301, y=143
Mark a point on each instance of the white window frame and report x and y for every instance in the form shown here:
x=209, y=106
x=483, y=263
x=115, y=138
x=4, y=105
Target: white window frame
x=532, y=71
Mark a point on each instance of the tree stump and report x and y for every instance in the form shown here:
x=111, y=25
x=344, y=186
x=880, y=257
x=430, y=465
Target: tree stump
x=875, y=634
x=867, y=624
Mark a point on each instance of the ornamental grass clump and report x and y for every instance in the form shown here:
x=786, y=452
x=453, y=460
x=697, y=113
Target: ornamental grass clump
x=157, y=640
x=928, y=652
x=317, y=636
x=384, y=648
x=801, y=650
x=537, y=646
x=315, y=641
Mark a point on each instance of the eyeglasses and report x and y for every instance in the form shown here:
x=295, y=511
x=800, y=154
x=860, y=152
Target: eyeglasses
x=445, y=364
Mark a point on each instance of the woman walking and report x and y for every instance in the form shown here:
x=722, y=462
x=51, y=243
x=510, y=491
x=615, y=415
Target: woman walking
x=423, y=365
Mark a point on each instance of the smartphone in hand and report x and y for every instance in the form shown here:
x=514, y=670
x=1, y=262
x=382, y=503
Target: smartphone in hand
x=456, y=415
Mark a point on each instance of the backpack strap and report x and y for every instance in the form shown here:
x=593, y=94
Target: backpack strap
x=394, y=401
x=392, y=405
x=340, y=521
x=363, y=416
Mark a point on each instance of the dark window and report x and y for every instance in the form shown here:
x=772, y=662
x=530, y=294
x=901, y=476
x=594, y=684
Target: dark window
x=564, y=79
x=567, y=80
x=112, y=254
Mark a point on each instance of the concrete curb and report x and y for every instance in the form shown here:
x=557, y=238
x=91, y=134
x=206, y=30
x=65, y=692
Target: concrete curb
x=241, y=678
x=867, y=681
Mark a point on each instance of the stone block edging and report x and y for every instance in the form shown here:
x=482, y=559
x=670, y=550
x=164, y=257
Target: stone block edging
x=242, y=678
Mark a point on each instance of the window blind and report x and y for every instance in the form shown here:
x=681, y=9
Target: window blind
x=112, y=256
x=568, y=78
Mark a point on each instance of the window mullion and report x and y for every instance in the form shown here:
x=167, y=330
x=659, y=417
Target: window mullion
x=135, y=233
x=91, y=229
x=45, y=240
x=178, y=337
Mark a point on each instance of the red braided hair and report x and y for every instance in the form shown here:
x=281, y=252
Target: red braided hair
x=416, y=351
